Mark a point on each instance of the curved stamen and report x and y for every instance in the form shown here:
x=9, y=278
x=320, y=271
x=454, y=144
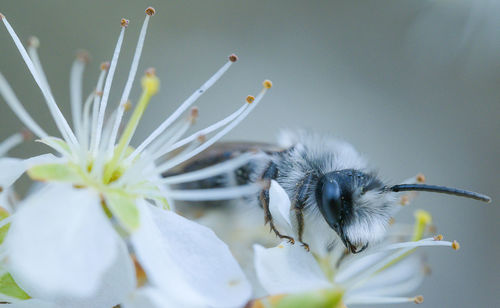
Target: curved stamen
x=214, y=193
x=86, y=120
x=170, y=136
x=16, y=106
x=383, y=300
x=33, y=44
x=75, y=90
x=128, y=84
x=59, y=119
x=179, y=159
x=107, y=86
x=208, y=172
x=10, y=143
x=203, y=132
x=185, y=105
x=97, y=100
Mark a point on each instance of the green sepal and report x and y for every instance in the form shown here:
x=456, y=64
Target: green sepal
x=330, y=298
x=124, y=208
x=10, y=288
x=56, y=172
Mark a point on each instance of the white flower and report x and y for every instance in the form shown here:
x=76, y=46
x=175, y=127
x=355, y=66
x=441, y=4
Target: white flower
x=381, y=275
x=11, y=168
x=101, y=232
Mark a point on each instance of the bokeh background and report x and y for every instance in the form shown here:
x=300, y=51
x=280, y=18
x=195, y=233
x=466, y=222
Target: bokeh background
x=414, y=85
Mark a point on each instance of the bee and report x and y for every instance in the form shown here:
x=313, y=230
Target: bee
x=335, y=196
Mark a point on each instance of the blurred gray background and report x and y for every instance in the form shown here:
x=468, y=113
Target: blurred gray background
x=414, y=85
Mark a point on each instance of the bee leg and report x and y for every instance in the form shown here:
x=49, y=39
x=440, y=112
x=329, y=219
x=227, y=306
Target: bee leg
x=270, y=173
x=300, y=226
x=299, y=204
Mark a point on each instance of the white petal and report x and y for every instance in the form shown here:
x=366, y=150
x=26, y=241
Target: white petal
x=43, y=159
x=60, y=244
x=288, y=269
x=149, y=297
x=187, y=261
x=399, y=279
x=12, y=169
x=279, y=205
x=351, y=268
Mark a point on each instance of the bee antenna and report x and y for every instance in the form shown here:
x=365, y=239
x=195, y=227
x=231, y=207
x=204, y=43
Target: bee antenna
x=442, y=190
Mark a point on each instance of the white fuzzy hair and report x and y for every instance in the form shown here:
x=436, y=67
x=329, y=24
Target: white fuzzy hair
x=320, y=153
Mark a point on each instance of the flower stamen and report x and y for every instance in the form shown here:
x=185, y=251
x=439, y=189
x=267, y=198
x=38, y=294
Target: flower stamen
x=75, y=86
x=61, y=122
x=16, y=106
x=214, y=193
x=95, y=108
x=150, y=86
x=130, y=79
x=173, y=134
x=107, y=87
x=10, y=143
x=208, y=172
x=188, y=102
x=180, y=158
x=383, y=300
x=203, y=132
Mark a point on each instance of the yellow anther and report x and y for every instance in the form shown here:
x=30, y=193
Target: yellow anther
x=83, y=56
x=150, y=11
x=140, y=274
x=201, y=138
x=438, y=237
x=193, y=114
x=27, y=135
x=455, y=245
x=104, y=66
x=418, y=299
x=127, y=106
x=2, y=16
x=420, y=178
x=392, y=221
x=423, y=217
x=404, y=200
x=267, y=84
x=34, y=42
x=233, y=58
x=250, y=99
x=124, y=22
x=150, y=83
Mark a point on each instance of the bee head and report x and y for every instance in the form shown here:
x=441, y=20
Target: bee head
x=358, y=206
x=355, y=205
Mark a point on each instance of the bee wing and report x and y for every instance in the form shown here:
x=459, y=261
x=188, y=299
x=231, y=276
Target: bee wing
x=216, y=154
x=221, y=152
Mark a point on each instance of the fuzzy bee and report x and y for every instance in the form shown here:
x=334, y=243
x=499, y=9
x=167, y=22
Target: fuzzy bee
x=336, y=197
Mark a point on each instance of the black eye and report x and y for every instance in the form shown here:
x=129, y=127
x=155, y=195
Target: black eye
x=330, y=203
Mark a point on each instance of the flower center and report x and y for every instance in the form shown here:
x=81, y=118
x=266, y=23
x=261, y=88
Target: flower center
x=150, y=86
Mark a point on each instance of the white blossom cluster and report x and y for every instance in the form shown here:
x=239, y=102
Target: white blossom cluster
x=100, y=229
